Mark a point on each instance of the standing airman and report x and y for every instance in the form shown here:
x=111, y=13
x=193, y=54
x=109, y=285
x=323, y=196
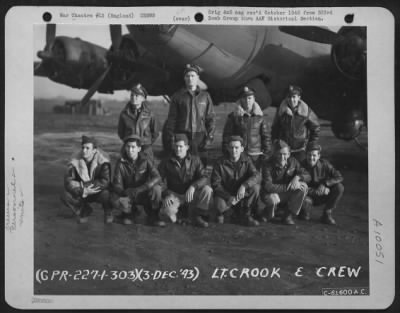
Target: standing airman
x=295, y=123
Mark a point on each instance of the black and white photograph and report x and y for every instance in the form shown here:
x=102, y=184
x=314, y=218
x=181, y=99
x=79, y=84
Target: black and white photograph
x=224, y=158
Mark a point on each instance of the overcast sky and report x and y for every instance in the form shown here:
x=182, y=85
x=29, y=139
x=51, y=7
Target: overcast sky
x=98, y=34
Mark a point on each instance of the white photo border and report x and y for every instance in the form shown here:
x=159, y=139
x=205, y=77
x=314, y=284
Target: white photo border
x=19, y=272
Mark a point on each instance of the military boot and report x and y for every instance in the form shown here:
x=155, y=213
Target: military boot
x=288, y=220
x=86, y=210
x=72, y=204
x=108, y=215
x=261, y=219
x=127, y=219
x=155, y=221
x=108, y=218
x=327, y=218
x=305, y=213
x=159, y=223
x=250, y=221
x=199, y=221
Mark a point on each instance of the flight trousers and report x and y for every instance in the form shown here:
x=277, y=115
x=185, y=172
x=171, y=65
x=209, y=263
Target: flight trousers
x=291, y=199
x=244, y=207
x=330, y=200
x=198, y=206
x=80, y=206
x=149, y=199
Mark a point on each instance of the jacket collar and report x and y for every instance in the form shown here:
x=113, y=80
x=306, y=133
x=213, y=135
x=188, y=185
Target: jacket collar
x=276, y=164
x=189, y=92
x=242, y=159
x=144, y=109
x=124, y=158
x=175, y=160
x=308, y=167
x=79, y=164
x=255, y=111
x=302, y=108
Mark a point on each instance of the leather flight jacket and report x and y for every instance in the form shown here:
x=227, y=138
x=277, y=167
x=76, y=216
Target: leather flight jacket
x=323, y=173
x=295, y=127
x=190, y=113
x=179, y=176
x=227, y=176
x=275, y=178
x=138, y=174
x=142, y=123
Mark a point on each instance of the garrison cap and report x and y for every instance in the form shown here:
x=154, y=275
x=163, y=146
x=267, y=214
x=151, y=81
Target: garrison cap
x=191, y=68
x=279, y=144
x=313, y=146
x=235, y=138
x=89, y=139
x=181, y=137
x=139, y=90
x=133, y=137
x=295, y=90
x=246, y=91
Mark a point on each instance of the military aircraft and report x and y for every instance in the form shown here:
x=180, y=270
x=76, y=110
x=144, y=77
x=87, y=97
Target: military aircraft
x=329, y=66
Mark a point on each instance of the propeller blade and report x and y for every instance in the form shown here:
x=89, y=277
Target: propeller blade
x=50, y=33
x=116, y=35
x=95, y=86
x=311, y=33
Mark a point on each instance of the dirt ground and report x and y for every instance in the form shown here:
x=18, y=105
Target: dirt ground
x=99, y=259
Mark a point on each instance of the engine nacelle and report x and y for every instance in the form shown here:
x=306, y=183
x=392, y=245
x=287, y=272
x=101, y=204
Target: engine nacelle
x=348, y=125
x=79, y=52
x=349, y=52
x=74, y=62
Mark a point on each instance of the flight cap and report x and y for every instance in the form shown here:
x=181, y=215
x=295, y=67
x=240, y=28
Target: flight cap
x=89, y=139
x=133, y=137
x=236, y=138
x=139, y=90
x=246, y=91
x=191, y=68
x=181, y=137
x=313, y=146
x=279, y=144
x=295, y=90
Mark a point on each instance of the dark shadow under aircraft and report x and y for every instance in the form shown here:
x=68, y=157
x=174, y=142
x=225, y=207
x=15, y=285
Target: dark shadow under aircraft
x=329, y=66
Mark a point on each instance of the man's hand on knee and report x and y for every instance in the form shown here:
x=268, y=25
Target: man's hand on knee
x=275, y=198
x=125, y=205
x=90, y=190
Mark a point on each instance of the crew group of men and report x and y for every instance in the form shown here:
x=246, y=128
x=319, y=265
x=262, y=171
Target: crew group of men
x=262, y=168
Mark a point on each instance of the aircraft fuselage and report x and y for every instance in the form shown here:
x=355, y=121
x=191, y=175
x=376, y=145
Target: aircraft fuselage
x=231, y=56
